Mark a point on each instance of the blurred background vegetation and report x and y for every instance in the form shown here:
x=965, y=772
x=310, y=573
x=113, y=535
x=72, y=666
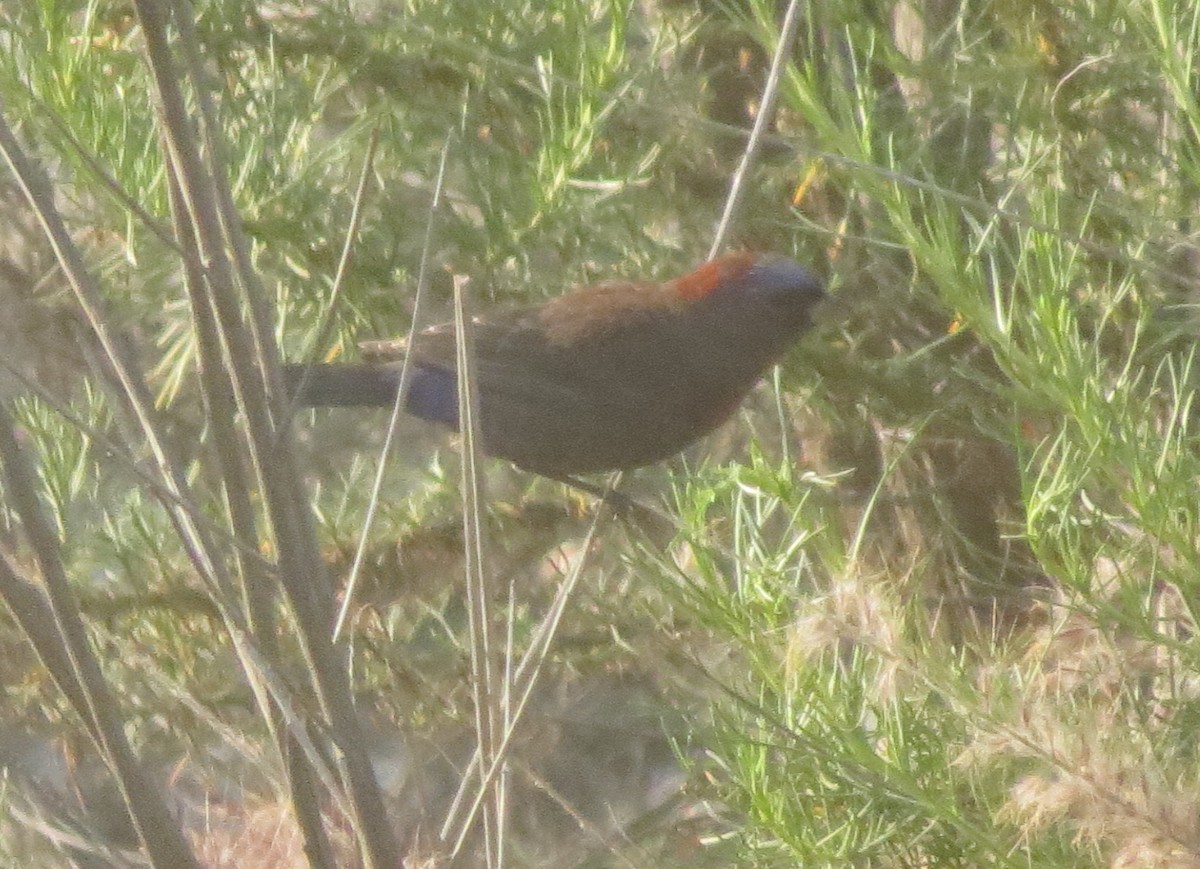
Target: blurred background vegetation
x=929, y=600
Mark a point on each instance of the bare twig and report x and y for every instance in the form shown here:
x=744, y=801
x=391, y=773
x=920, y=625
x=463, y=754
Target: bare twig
x=251, y=364
x=766, y=109
x=397, y=408
x=335, y=295
x=84, y=683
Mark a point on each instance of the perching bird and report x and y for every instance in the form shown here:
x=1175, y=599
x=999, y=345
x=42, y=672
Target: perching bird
x=606, y=377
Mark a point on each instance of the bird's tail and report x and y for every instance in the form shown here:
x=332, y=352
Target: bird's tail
x=342, y=385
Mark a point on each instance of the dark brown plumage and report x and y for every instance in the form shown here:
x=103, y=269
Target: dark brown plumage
x=612, y=376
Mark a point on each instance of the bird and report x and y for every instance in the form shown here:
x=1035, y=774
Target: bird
x=612, y=376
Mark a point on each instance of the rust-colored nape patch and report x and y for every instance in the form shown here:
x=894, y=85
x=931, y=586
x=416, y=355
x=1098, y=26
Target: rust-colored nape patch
x=699, y=283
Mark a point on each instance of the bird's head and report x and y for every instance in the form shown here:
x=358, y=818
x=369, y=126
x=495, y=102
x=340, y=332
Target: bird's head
x=775, y=281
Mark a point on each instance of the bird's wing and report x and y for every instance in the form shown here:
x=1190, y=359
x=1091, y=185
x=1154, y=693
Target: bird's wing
x=607, y=311
x=603, y=340
x=552, y=333
x=436, y=344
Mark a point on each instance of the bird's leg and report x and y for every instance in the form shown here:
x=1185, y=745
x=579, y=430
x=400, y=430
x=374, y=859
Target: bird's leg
x=623, y=506
x=610, y=496
x=620, y=503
